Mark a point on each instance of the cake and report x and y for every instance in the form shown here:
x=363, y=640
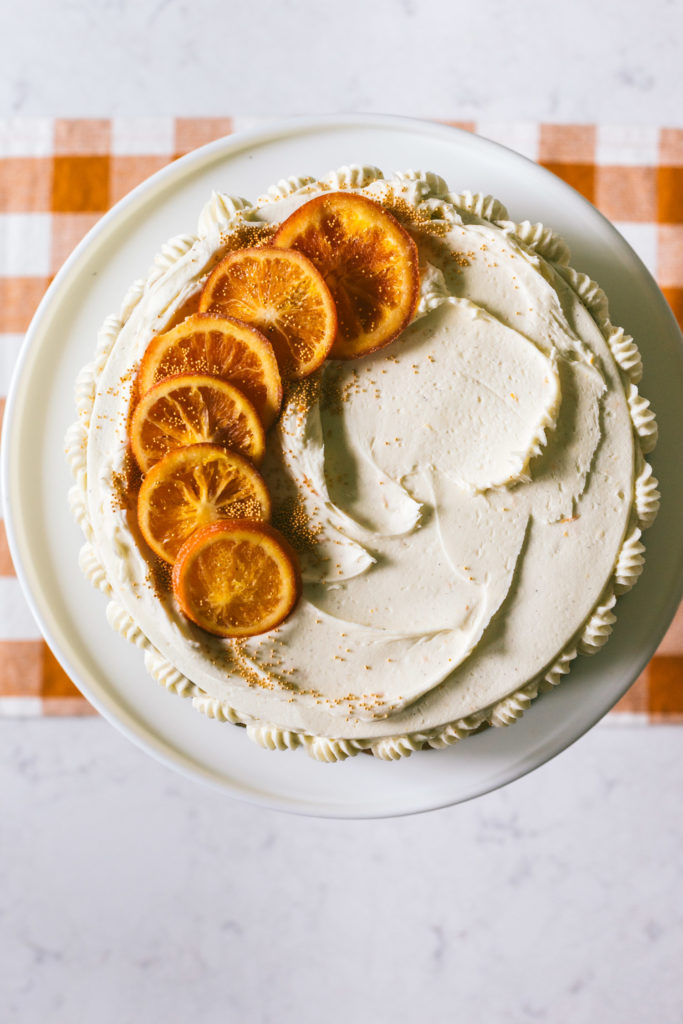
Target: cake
x=460, y=507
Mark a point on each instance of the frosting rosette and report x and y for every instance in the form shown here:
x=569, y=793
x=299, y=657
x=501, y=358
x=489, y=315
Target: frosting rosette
x=465, y=502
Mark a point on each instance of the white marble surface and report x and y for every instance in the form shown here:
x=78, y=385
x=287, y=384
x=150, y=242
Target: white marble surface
x=128, y=894
x=614, y=60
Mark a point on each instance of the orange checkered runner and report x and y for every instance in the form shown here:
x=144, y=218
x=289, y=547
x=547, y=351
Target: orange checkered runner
x=57, y=177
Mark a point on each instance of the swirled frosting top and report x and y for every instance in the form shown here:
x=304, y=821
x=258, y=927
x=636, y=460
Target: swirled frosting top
x=458, y=499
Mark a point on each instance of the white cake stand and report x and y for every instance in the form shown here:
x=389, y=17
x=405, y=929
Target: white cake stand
x=45, y=541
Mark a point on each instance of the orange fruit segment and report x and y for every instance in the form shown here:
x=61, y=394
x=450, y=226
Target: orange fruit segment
x=283, y=295
x=236, y=578
x=369, y=262
x=220, y=347
x=192, y=409
x=193, y=487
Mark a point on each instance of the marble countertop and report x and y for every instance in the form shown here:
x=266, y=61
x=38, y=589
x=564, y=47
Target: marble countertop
x=611, y=61
x=130, y=894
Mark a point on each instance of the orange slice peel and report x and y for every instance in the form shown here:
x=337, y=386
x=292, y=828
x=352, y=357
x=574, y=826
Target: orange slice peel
x=236, y=578
x=283, y=295
x=220, y=347
x=193, y=487
x=194, y=409
x=368, y=260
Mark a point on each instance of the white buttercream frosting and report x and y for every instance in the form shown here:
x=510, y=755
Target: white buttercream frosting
x=78, y=503
x=220, y=213
x=646, y=494
x=76, y=446
x=123, y=623
x=539, y=238
x=479, y=205
x=395, y=747
x=590, y=292
x=490, y=453
x=272, y=738
x=643, y=419
x=455, y=731
x=218, y=709
x=84, y=393
x=513, y=707
x=598, y=629
x=559, y=669
x=624, y=350
x=92, y=568
x=111, y=328
x=354, y=176
x=167, y=676
x=169, y=254
x=130, y=300
x=629, y=563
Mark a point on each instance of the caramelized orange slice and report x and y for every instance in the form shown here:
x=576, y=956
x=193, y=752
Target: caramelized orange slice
x=222, y=348
x=191, y=409
x=369, y=262
x=193, y=487
x=283, y=295
x=236, y=578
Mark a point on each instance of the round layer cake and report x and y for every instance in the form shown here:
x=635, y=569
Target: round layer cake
x=466, y=503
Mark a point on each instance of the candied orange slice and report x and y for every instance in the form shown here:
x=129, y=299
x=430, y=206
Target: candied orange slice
x=193, y=487
x=236, y=578
x=282, y=294
x=191, y=409
x=222, y=348
x=369, y=262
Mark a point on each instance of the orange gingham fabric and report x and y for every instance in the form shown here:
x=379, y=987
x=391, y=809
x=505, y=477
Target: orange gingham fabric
x=57, y=177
